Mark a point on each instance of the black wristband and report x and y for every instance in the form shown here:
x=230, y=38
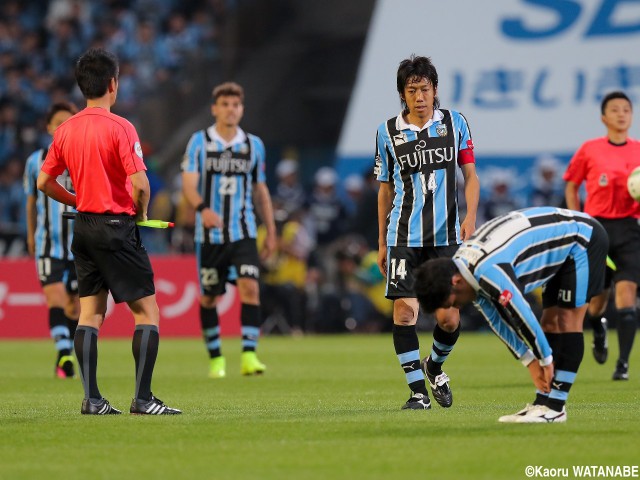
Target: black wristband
x=201, y=207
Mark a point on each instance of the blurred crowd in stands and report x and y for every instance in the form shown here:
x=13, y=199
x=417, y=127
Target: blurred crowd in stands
x=324, y=277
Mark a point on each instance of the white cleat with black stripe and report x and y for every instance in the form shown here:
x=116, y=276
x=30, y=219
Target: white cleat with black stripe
x=544, y=414
x=154, y=406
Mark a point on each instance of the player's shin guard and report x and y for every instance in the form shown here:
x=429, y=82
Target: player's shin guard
x=60, y=331
x=626, y=332
x=210, y=330
x=566, y=369
x=145, y=351
x=443, y=343
x=251, y=320
x=407, y=345
x=86, y=346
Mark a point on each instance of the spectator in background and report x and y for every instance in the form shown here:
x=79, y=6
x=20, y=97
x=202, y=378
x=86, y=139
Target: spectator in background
x=547, y=183
x=327, y=214
x=289, y=193
x=367, y=208
x=500, y=201
x=353, y=187
x=604, y=164
x=49, y=240
x=12, y=199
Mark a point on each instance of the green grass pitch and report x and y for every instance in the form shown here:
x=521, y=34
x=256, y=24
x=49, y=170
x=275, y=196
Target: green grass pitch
x=327, y=408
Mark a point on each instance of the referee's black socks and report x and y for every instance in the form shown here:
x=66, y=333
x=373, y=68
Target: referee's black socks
x=626, y=332
x=145, y=351
x=86, y=346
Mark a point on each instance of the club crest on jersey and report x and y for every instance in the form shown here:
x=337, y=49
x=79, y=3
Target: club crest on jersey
x=244, y=148
x=400, y=139
x=441, y=130
x=505, y=298
x=603, y=181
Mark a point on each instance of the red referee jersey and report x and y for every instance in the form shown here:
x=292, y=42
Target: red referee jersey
x=605, y=168
x=100, y=150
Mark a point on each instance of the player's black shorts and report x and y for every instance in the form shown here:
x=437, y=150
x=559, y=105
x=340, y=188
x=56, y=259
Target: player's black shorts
x=215, y=264
x=54, y=270
x=401, y=263
x=109, y=255
x=581, y=276
x=624, y=249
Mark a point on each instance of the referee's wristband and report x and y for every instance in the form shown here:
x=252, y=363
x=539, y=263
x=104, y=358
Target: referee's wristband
x=201, y=207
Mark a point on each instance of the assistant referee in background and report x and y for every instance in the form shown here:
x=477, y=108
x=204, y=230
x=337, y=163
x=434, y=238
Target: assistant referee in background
x=102, y=153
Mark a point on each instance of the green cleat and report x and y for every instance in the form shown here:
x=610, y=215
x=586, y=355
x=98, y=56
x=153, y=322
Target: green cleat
x=217, y=367
x=250, y=365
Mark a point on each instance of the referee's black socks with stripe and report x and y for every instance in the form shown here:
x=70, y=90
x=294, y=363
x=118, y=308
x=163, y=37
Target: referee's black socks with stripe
x=627, y=319
x=145, y=351
x=86, y=346
x=407, y=346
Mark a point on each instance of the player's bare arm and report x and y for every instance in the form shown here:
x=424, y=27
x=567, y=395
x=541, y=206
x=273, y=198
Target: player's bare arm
x=49, y=186
x=264, y=209
x=190, y=191
x=385, y=202
x=141, y=194
x=31, y=224
x=571, y=195
x=472, y=196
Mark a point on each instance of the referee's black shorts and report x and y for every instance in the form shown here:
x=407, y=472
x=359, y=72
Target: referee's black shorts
x=109, y=255
x=624, y=249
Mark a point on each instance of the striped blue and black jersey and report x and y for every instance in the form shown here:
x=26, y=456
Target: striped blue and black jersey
x=422, y=164
x=513, y=254
x=53, y=233
x=227, y=174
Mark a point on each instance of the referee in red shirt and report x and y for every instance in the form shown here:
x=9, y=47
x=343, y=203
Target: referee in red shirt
x=102, y=153
x=604, y=164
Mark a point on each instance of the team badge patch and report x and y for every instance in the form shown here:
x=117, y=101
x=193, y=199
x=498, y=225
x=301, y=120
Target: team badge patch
x=441, y=130
x=244, y=149
x=603, y=181
x=138, y=149
x=505, y=298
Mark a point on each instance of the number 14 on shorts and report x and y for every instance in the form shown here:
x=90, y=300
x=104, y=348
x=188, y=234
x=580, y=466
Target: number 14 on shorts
x=398, y=268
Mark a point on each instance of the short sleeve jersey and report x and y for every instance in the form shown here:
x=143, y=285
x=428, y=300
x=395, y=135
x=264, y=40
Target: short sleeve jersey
x=605, y=168
x=227, y=171
x=422, y=164
x=100, y=150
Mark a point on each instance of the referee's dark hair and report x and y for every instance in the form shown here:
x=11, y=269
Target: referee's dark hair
x=612, y=96
x=416, y=68
x=61, y=107
x=94, y=70
x=433, y=283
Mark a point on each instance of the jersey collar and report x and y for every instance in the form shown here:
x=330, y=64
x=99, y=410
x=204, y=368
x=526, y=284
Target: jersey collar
x=401, y=123
x=240, y=137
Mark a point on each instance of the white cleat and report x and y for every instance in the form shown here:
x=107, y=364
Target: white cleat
x=515, y=417
x=543, y=414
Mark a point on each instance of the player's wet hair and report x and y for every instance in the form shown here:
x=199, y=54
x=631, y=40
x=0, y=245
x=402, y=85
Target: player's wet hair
x=433, y=283
x=227, y=89
x=94, y=70
x=612, y=96
x=60, y=107
x=416, y=68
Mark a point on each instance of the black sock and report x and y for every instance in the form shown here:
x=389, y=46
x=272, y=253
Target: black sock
x=626, y=332
x=555, y=342
x=407, y=345
x=210, y=330
x=60, y=331
x=443, y=343
x=251, y=320
x=86, y=346
x=595, y=322
x=145, y=351
x=72, y=324
x=566, y=369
